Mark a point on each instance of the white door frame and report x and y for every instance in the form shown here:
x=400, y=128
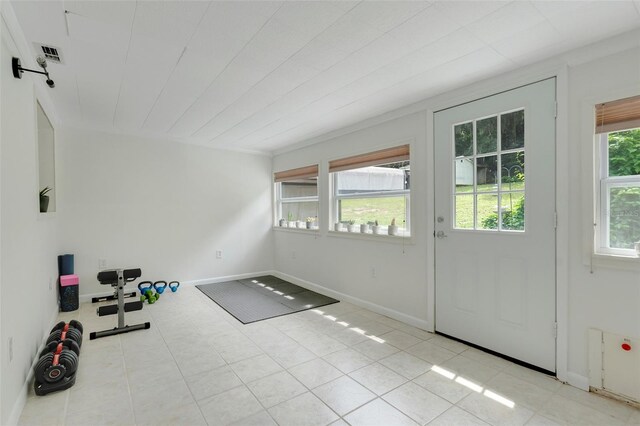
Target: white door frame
x=488, y=88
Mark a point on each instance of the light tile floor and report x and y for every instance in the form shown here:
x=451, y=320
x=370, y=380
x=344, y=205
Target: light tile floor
x=338, y=365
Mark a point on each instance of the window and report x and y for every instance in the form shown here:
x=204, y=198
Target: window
x=371, y=192
x=618, y=134
x=297, y=198
x=489, y=188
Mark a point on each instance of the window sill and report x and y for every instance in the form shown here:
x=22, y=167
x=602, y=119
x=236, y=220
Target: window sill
x=398, y=239
x=311, y=231
x=46, y=215
x=616, y=261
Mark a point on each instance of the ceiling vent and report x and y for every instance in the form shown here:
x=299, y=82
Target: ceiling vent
x=51, y=53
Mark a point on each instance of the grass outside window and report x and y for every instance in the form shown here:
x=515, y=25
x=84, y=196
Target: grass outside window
x=487, y=204
x=384, y=210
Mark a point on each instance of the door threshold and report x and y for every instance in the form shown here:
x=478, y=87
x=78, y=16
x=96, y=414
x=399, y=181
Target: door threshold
x=499, y=355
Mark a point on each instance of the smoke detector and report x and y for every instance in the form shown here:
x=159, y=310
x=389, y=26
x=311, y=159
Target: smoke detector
x=51, y=53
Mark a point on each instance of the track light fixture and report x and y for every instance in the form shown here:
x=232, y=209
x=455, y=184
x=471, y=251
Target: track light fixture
x=18, y=70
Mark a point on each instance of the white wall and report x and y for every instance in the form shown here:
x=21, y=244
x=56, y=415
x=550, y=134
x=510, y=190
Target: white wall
x=28, y=249
x=161, y=206
x=343, y=263
x=608, y=299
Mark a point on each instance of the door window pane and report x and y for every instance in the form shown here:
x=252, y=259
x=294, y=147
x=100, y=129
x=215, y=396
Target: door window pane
x=489, y=184
x=464, y=139
x=464, y=211
x=513, y=171
x=487, y=173
x=487, y=135
x=464, y=174
x=487, y=211
x=512, y=130
x=512, y=209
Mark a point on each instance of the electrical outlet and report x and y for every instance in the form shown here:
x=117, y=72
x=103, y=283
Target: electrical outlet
x=10, y=349
x=102, y=263
x=373, y=272
x=293, y=255
x=218, y=254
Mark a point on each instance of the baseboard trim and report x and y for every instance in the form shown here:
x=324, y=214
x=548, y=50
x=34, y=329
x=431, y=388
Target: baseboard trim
x=18, y=406
x=382, y=310
x=213, y=280
x=615, y=396
x=578, y=381
x=228, y=278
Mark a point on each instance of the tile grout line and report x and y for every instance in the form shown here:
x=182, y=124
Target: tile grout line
x=181, y=373
x=308, y=389
x=314, y=327
x=126, y=377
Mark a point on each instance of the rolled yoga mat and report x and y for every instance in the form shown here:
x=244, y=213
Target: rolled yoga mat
x=65, y=264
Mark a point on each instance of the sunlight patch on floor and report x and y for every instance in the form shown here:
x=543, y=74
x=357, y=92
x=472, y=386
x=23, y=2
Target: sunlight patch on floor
x=473, y=386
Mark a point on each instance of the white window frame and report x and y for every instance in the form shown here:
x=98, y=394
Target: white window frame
x=602, y=196
x=336, y=198
x=280, y=201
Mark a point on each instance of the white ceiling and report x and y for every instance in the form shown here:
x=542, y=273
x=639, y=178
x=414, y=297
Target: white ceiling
x=260, y=75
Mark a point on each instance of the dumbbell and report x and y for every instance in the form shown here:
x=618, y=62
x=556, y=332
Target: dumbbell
x=66, y=332
x=158, y=285
x=73, y=323
x=67, y=343
x=55, y=365
x=174, y=285
x=150, y=297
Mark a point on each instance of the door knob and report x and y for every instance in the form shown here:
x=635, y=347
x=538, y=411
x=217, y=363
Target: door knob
x=441, y=234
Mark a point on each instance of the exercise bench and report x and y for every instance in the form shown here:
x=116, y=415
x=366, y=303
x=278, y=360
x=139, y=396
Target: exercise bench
x=118, y=278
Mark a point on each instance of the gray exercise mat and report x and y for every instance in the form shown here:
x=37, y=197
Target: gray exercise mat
x=274, y=288
x=256, y=299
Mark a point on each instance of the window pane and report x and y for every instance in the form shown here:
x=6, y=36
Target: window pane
x=464, y=174
x=513, y=171
x=512, y=130
x=388, y=177
x=300, y=188
x=464, y=211
x=463, y=136
x=487, y=135
x=487, y=212
x=624, y=217
x=513, y=211
x=486, y=173
x=299, y=210
x=382, y=209
x=624, y=153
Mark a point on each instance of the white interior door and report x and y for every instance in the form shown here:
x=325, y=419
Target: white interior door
x=495, y=253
